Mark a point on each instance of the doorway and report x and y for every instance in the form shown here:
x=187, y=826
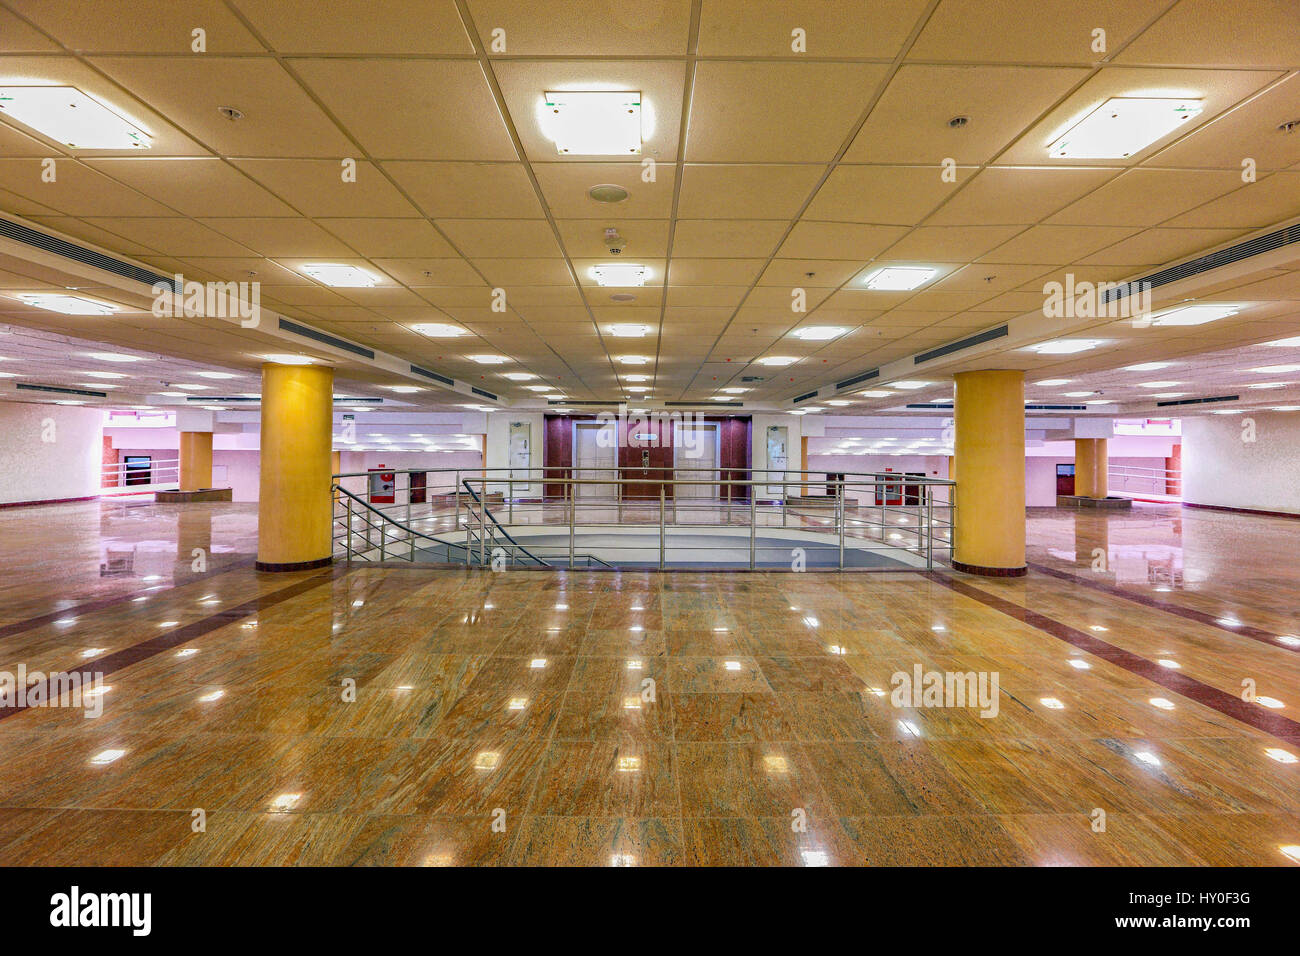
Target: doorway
x=695, y=458
x=595, y=455
x=1065, y=479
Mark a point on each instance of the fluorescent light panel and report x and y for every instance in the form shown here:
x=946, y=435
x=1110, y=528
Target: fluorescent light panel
x=899, y=278
x=68, y=116
x=1123, y=126
x=67, y=304
x=593, y=123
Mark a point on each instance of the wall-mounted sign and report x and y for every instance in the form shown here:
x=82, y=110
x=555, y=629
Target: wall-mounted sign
x=645, y=436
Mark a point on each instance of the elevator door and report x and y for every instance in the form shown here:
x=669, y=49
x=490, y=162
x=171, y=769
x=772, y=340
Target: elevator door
x=695, y=457
x=595, y=456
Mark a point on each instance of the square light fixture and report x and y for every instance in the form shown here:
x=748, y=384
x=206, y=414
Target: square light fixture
x=818, y=333
x=776, y=360
x=221, y=375
x=636, y=378
x=625, y=331
x=899, y=278
x=540, y=388
x=1123, y=126
x=489, y=359
x=1194, y=314
x=592, y=122
x=1276, y=369
x=518, y=376
x=120, y=357
x=437, y=330
x=340, y=276
x=1048, y=382
x=909, y=385
x=634, y=360
x=1292, y=343
x=68, y=116
x=286, y=358
x=67, y=304
x=1147, y=367
x=735, y=391
x=619, y=275
x=1065, y=346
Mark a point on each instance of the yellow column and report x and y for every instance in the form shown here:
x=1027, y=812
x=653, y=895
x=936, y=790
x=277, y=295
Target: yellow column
x=1091, y=468
x=196, y=460
x=989, y=418
x=294, y=510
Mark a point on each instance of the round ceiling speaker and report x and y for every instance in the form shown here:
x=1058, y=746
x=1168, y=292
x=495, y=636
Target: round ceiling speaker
x=607, y=192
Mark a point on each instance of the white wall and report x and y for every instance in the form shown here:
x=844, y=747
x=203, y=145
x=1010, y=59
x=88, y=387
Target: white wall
x=49, y=452
x=758, y=444
x=1219, y=468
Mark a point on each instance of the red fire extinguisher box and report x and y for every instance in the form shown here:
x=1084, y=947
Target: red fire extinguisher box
x=383, y=486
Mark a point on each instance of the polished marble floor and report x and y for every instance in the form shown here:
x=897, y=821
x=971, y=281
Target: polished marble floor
x=447, y=717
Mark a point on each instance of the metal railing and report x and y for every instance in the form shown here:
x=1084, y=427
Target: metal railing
x=162, y=473
x=652, y=517
x=1162, y=483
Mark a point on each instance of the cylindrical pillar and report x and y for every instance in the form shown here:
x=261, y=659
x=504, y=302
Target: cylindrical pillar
x=195, y=460
x=989, y=447
x=293, y=531
x=1091, y=468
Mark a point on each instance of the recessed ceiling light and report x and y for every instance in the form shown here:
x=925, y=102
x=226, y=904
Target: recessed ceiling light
x=1049, y=382
x=68, y=116
x=404, y=389
x=1157, y=384
x=620, y=274
x=777, y=360
x=540, y=388
x=875, y=393
x=284, y=358
x=1147, y=366
x=215, y=374
x=592, y=123
x=634, y=360
x=638, y=388
x=214, y=408
x=629, y=331
x=1269, y=384
x=106, y=374
x=1100, y=401
x=1276, y=369
x=1286, y=408
x=1168, y=394
x=1076, y=394
x=79, y=384
x=735, y=391
x=340, y=276
x=818, y=333
x=67, y=304
x=193, y=388
x=1065, y=346
x=1292, y=343
x=489, y=359
x=518, y=376
x=636, y=378
x=1123, y=126
x=69, y=401
x=722, y=398
x=838, y=402
x=1194, y=314
x=114, y=357
x=909, y=385
x=899, y=278
x=437, y=330
x=1226, y=411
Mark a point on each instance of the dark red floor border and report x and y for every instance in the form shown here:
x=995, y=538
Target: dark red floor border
x=27, y=624
x=1284, y=728
x=1191, y=614
x=111, y=663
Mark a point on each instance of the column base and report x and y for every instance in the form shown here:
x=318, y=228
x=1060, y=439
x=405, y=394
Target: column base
x=989, y=572
x=294, y=565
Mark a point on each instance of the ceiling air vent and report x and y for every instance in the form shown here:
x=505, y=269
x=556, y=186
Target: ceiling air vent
x=486, y=394
x=966, y=343
x=325, y=338
x=59, y=390
x=858, y=379
x=804, y=397
x=60, y=247
x=1199, y=401
x=415, y=369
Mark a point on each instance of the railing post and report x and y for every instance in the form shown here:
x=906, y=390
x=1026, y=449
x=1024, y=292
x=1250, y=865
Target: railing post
x=841, y=510
x=510, y=505
x=383, y=538
x=572, y=518
x=753, y=522
x=349, y=528
x=457, y=487
x=785, y=503
x=661, y=526
x=482, y=525
x=929, y=528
